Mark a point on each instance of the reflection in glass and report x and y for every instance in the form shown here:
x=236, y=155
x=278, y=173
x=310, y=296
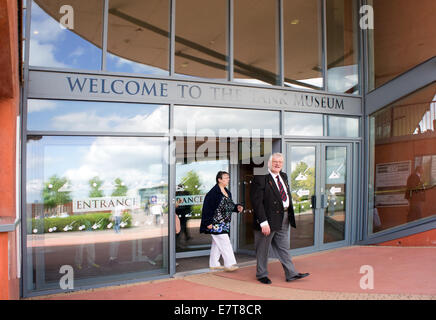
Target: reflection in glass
x=335, y=188
x=342, y=46
x=59, y=115
x=255, y=41
x=403, y=161
x=201, y=41
x=225, y=121
x=303, y=124
x=343, y=127
x=195, y=176
x=302, y=184
x=403, y=37
x=97, y=204
x=138, y=36
x=302, y=29
x=78, y=46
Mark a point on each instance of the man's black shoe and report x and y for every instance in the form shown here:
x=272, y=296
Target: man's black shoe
x=298, y=276
x=264, y=280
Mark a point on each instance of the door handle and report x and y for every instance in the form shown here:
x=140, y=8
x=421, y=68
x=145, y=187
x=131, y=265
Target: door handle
x=323, y=201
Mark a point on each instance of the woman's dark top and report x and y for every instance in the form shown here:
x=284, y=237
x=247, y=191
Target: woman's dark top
x=217, y=211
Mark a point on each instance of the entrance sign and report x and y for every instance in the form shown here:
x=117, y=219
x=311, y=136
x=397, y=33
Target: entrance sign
x=58, y=85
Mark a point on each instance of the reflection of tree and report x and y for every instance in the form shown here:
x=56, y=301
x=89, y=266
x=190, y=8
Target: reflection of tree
x=191, y=182
x=95, y=184
x=120, y=188
x=51, y=194
x=307, y=183
x=192, y=185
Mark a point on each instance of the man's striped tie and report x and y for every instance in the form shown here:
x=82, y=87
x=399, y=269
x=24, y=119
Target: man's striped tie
x=281, y=189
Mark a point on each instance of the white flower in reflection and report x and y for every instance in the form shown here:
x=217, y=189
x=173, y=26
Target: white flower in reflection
x=123, y=224
x=35, y=230
x=81, y=227
x=109, y=225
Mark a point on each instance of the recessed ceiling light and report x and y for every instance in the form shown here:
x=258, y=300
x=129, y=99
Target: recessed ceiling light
x=36, y=32
x=295, y=21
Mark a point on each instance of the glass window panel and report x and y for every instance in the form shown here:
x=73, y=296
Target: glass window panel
x=403, y=37
x=342, y=46
x=98, y=205
x=303, y=124
x=59, y=115
x=201, y=41
x=336, y=191
x=343, y=127
x=78, y=46
x=138, y=36
x=403, y=161
x=225, y=121
x=302, y=29
x=255, y=41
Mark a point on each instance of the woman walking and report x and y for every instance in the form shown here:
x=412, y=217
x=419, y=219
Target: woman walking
x=215, y=220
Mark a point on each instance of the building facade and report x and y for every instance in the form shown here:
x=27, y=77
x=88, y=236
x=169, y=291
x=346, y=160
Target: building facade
x=128, y=109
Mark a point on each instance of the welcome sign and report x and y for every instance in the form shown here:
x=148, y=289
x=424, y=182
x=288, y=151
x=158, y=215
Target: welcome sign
x=55, y=85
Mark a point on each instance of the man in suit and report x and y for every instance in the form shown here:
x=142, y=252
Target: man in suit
x=273, y=212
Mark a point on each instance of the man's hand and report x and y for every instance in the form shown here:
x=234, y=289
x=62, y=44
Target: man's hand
x=209, y=226
x=266, y=230
x=240, y=208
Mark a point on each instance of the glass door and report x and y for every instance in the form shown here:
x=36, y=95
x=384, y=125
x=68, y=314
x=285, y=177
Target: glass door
x=320, y=184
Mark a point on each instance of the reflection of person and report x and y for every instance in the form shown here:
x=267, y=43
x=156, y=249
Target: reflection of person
x=157, y=211
x=273, y=212
x=183, y=211
x=215, y=220
x=90, y=250
x=113, y=250
x=415, y=194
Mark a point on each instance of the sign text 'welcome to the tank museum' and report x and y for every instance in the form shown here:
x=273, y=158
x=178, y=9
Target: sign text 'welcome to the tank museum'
x=107, y=88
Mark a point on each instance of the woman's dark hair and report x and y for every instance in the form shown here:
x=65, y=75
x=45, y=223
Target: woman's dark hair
x=220, y=174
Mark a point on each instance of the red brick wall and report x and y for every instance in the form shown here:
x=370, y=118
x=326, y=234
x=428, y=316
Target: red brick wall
x=9, y=106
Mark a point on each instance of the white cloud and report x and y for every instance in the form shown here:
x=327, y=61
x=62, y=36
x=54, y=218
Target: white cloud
x=40, y=105
x=43, y=55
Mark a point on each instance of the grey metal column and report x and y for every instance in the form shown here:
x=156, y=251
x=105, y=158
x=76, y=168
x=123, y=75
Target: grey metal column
x=105, y=34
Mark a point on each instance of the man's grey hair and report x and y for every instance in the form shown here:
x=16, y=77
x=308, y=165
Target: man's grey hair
x=275, y=155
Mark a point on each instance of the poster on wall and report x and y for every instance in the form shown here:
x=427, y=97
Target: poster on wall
x=391, y=181
x=393, y=174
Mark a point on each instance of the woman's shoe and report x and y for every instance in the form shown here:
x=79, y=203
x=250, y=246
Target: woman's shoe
x=217, y=268
x=231, y=268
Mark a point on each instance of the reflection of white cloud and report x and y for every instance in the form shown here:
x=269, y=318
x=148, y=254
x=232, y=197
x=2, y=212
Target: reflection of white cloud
x=78, y=52
x=40, y=105
x=43, y=55
x=156, y=121
x=138, y=162
x=120, y=64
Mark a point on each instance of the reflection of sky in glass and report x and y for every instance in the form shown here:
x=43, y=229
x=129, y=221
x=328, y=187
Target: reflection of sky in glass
x=52, y=46
x=118, y=64
x=138, y=162
x=96, y=116
x=343, y=127
x=303, y=124
x=212, y=120
x=302, y=154
x=342, y=79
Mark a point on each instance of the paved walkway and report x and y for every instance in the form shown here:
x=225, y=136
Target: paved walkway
x=400, y=273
